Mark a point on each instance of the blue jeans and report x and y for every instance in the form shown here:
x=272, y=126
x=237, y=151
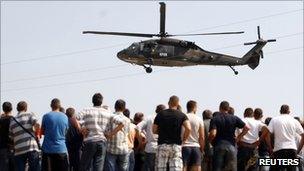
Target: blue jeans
x=33, y=161
x=243, y=156
x=93, y=154
x=6, y=160
x=225, y=157
x=131, y=161
x=116, y=162
x=150, y=161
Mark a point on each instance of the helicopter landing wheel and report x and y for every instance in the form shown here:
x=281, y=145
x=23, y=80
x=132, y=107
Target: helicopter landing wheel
x=235, y=71
x=149, y=69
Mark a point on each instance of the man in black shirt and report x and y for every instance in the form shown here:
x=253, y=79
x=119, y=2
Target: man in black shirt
x=168, y=125
x=6, y=156
x=222, y=134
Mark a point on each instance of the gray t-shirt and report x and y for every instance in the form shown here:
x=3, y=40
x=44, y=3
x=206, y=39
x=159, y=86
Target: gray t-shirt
x=146, y=126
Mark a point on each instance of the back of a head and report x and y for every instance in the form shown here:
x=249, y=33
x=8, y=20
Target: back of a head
x=160, y=108
x=22, y=106
x=173, y=101
x=224, y=106
x=248, y=112
x=97, y=99
x=207, y=114
x=126, y=112
x=231, y=110
x=284, y=109
x=61, y=109
x=7, y=107
x=120, y=105
x=55, y=104
x=258, y=113
x=191, y=106
x=70, y=112
x=138, y=117
x=267, y=120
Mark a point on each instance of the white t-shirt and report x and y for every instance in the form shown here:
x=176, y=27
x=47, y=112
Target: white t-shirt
x=285, y=129
x=146, y=126
x=196, y=122
x=255, y=127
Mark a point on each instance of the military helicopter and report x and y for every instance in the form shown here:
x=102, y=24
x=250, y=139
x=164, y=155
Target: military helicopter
x=169, y=52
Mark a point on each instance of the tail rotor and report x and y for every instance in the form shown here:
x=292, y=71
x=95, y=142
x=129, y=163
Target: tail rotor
x=259, y=41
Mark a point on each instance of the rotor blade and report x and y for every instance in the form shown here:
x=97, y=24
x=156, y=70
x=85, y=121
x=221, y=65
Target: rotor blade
x=259, y=33
x=250, y=43
x=162, y=11
x=271, y=40
x=204, y=34
x=120, y=33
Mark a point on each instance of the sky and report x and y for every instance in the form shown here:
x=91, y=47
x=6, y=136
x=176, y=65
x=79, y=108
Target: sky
x=45, y=55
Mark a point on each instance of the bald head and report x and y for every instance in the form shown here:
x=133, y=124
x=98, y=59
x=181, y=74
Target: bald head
x=173, y=102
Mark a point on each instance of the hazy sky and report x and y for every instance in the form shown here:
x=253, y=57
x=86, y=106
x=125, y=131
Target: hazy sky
x=44, y=55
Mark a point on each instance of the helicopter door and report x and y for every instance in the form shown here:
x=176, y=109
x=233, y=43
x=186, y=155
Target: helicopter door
x=164, y=51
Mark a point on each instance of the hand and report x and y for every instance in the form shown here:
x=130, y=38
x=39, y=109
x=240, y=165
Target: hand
x=108, y=135
x=84, y=131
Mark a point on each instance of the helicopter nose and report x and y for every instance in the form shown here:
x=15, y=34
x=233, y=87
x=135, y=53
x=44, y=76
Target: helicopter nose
x=121, y=54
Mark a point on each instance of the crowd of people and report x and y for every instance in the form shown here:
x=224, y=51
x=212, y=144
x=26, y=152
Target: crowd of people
x=97, y=139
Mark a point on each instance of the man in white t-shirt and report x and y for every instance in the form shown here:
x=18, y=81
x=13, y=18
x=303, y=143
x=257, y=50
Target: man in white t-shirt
x=150, y=149
x=285, y=129
x=248, y=144
x=194, y=145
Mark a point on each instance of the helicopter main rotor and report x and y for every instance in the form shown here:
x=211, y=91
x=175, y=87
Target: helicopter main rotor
x=162, y=32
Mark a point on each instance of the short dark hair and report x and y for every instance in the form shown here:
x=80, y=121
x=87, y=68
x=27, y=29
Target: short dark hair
x=258, y=113
x=267, y=120
x=248, y=112
x=97, y=99
x=138, y=117
x=191, y=105
x=231, y=110
x=160, y=108
x=224, y=105
x=21, y=106
x=284, y=109
x=173, y=101
x=70, y=112
x=207, y=114
x=120, y=105
x=55, y=104
x=126, y=112
x=7, y=107
x=61, y=109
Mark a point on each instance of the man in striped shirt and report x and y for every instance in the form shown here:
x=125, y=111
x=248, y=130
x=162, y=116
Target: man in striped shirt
x=117, y=149
x=94, y=121
x=26, y=147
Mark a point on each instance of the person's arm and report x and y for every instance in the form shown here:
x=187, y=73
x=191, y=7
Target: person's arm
x=212, y=130
x=155, y=124
x=141, y=126
x=120, y=124
x=114, y=131
x=245, y=129
x=301, y=144
x=187, y=130
x=212, y=134
x=201, y=132
x=155, y=129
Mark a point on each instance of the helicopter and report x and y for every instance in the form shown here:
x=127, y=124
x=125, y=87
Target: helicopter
x=168, y=52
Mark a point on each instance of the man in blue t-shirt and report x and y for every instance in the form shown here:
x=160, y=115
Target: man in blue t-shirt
x=54, y=127
x=222, y=135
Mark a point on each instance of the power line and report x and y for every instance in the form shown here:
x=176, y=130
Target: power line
x=119, y=76
x=118, y=66
x=96, y=49
x=61, y=54
x=66, y=73
x=248, y=20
